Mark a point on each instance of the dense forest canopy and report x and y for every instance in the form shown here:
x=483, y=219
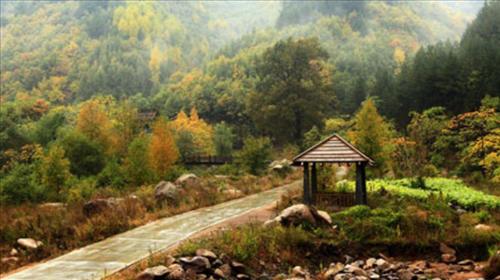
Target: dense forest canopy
x=78, y=77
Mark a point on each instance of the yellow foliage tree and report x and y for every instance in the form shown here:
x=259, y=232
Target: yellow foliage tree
x=201, y=131
x=155, y=61
x=93, y=122
x=162, y=149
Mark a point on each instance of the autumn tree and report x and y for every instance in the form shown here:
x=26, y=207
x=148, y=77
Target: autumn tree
x=162, y=150
x=372, y=135
x=126, y=125
x=94, y=123
x=294, y=91
x=55, y=169
x=192, y=134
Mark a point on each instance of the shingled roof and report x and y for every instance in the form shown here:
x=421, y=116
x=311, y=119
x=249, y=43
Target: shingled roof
x=333, y=149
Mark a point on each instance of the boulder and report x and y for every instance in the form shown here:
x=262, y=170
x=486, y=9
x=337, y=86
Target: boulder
x=52, y=205
x=29, y=243
x=175, y=272
x=298, y=271
x=483, y=227
x=370, y=262
x=99, y=205
x=280, y=166
x=10, y=260
x=13, y=252
x=324, y=217
x=187, y=180
x=225, y=270
x=153, y=273
x=241, y=276
x=382, y=264
x=296, y=215
x=448, y=258
x=239, y=268
x=444, y=249
x=198, y=263
x=333, y=270
x=207, y=254
x=166, y=191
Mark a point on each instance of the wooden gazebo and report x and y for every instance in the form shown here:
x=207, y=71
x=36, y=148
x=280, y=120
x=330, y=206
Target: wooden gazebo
x=334, y=149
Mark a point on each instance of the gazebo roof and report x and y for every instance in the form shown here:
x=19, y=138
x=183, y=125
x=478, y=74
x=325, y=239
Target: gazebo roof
x=333, y=149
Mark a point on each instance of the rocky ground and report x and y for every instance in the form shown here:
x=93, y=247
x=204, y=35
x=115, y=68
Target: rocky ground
x=207, y=265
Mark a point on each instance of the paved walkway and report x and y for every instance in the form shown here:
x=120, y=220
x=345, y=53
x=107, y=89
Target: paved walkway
x=115, y=253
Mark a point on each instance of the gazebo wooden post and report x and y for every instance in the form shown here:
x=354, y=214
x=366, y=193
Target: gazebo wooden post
x=361, y=183
x=306, y=184
x=314, y=183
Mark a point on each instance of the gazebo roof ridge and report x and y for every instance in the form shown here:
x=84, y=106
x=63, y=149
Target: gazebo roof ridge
x=331, y=154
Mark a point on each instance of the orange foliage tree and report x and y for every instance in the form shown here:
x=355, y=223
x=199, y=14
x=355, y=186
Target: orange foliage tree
x=162, y=149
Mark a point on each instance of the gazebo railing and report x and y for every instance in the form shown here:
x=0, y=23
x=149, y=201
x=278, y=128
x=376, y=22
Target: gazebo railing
x=340, y=199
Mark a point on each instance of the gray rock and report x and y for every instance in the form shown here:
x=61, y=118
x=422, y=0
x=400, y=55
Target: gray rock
x=198, y=264
x=166, y=191
x=466, y=262
x=52, y=205
x=239, y=268
x=348, y=259
x=333, y=270
x=226, y=270
x=153, y=273
x=10, y=260
x=207, y=254
x=187, y=180
x=176, y=272
x=370, y=262
x=341, y=276
x=242, y=276
x=298, y=271
x=405, y=275
x=99, y=205
x=446, y=250
x=483, y=227
x=448, y=258
x=29, y=243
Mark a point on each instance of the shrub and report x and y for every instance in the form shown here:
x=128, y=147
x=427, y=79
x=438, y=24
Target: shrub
x=22, y=185
x=86, y=156
x=111, y=175
x=81, y=190
x=255, y=154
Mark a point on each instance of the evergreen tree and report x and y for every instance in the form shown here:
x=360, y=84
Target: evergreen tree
x=372, y=135
x=294, y=91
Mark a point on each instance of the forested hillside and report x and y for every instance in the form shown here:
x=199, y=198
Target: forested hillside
x=117, y=113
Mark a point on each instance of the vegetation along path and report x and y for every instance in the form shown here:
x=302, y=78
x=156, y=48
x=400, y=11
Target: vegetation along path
x=115, y=253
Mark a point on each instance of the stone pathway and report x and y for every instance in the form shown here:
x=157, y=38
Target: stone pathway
x=115, y=253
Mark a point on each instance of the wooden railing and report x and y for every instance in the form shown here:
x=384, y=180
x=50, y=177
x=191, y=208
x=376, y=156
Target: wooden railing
x=209, y=160
x=336, y=199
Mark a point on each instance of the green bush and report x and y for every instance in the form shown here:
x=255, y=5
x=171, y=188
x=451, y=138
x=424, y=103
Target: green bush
x=223, y=139
x=86, y=156
x=255, y=154
x=22, y=185
x=112, y=175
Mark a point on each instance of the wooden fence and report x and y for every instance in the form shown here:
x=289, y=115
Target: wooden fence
x=208, y=160
x=336, y=199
